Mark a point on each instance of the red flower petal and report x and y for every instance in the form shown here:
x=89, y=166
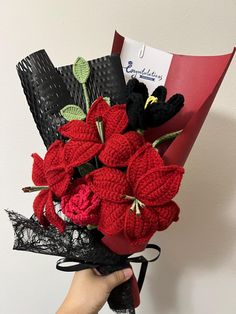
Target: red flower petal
x=59, y=180
x=119, y=148
x=115, y=120
x=109, y=184
x=159, y=186
x=167, y=214
x=139, y=229
x=145, y=158
x=54, y=156
x=98, y=109
x=78, y=153
x=38, y=176
x=51, y=216
x=112, y=217
x=54, y=167
x=80, y=131
x=38, y=206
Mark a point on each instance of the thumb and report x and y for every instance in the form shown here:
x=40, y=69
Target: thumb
x=118, y=277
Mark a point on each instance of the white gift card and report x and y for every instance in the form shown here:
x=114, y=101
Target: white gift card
x=147, y=64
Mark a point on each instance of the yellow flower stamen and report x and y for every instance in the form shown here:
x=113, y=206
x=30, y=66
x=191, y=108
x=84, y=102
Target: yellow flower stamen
x=135, y=205
x=151, y=100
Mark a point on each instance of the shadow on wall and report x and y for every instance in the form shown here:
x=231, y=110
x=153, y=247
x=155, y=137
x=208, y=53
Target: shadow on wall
x=202, y=238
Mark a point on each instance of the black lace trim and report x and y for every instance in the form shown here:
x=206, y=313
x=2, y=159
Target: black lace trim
x=78, y=244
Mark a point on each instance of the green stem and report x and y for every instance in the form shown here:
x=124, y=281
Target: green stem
x=87, y=102
x=91, y=227
x=166, y=137
x=29, y=189
x=99, y=124
x=96, y=162
x=140, y=131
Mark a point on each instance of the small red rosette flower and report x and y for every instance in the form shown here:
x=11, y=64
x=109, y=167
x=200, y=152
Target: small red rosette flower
x=51, y=174
x=140, y=201
x=81, y=206
x=114, y=149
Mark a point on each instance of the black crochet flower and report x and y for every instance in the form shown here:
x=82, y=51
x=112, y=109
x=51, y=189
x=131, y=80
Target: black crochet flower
x=148, y=112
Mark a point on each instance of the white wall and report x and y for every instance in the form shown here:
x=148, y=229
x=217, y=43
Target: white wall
x=196, y=273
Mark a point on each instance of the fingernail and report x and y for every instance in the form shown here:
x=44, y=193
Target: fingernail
x=128, y=272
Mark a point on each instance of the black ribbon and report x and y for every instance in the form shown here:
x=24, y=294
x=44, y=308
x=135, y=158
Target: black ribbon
x=81, y=265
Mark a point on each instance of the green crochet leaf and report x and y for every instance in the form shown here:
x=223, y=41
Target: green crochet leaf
x=72, y=112
x=107, y=100
x=85, y=169
x=166, y=137
x=81, y=70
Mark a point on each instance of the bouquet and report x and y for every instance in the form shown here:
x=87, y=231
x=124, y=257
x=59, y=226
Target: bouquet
x=114, y=160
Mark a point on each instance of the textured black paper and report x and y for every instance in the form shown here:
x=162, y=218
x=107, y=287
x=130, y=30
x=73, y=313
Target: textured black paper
x=48, y=89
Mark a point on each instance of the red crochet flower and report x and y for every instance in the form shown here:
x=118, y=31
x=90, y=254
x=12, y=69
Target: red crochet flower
x=85, y=142
x=81, y=206
x=51, y=173
x=149, y=187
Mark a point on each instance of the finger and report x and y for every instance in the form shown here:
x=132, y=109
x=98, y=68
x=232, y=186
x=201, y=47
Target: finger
x=115, y=279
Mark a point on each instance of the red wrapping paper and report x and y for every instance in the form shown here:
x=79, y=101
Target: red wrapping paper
x=198, y=78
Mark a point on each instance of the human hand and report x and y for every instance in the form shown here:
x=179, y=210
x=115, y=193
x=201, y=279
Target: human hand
x=89, y=291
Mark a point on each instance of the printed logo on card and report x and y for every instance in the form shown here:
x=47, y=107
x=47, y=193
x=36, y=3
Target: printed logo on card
x=151, y=66
x=141, y=73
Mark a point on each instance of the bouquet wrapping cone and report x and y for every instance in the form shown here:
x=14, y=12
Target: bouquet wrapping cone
x=198, y=78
